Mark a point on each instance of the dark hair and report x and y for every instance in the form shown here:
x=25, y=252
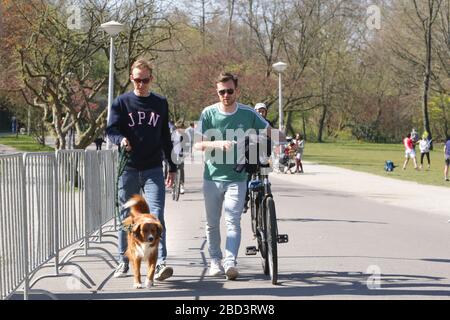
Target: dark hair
x=225, y=77
x=409, y=135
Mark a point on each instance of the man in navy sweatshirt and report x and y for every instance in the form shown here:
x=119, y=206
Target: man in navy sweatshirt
x=139, y=122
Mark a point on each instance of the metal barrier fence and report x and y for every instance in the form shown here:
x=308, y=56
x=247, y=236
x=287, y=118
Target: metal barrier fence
x=49, y=202
x=13, y=222
x=40, y=169
x=72, y=193
x=107, y=190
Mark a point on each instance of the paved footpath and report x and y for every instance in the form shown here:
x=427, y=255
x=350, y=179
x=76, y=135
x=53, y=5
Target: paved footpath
x=6, y=149
x=351, y=236
x=400, y=193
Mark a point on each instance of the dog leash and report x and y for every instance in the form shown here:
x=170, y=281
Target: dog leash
x=123, y=159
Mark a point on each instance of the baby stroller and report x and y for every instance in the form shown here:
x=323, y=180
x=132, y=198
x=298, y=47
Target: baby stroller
x=287, y=158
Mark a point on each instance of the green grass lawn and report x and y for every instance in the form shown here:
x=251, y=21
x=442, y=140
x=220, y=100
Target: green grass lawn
x=370, y=157
x=23, y=143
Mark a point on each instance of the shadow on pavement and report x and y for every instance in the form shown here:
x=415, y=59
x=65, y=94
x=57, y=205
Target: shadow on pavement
x=325, y=220
x=295, y=285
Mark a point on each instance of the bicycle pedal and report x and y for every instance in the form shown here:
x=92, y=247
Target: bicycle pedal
x=251, y=251
x=282, y=238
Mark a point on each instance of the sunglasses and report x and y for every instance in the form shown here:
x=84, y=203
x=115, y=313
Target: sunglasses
x=223, y=91
x=144, y=81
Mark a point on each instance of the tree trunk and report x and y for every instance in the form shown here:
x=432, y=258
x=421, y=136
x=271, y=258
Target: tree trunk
x=60, y=142
x=426, y=80
x=230, y=19
x=304, y=125
x=250, y=35
x=445, y=125
x=288, y=123
x=322, y=123
x=203, y=24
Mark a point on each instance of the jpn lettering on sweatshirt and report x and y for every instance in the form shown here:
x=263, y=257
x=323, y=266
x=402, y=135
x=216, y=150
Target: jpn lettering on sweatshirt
x=143, y=118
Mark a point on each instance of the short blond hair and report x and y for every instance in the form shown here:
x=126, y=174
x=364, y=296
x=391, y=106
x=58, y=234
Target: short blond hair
x=142, y=64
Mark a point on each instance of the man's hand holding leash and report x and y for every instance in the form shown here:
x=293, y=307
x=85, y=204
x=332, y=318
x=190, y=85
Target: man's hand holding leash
x=126, y=144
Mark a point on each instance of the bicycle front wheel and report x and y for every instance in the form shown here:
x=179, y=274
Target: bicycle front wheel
x=176, y=186
x=271, y=237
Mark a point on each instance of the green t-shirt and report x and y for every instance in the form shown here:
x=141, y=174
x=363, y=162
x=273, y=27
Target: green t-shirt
x=219, y=125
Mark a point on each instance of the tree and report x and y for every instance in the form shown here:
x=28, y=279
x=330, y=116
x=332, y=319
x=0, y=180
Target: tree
x=419, y=19
x=427, y=19
x=64, y=70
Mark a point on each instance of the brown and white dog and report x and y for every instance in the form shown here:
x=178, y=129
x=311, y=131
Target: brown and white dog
x=144, y=233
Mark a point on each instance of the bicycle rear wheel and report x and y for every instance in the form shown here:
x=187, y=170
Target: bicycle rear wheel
x=271, y=238
x=176, y=186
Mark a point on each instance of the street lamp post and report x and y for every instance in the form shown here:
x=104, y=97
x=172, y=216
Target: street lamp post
x=112, y=28
x=280, y=67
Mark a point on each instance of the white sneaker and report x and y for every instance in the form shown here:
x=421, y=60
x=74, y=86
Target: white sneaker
x=215, y=268
x=163, y=272
x=231, y=272
x=181, y=189
x=121, y=270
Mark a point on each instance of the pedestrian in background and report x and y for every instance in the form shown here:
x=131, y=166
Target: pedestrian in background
x=414, y=138
x=190, y=134
x=14, y=125
x=424, y=146
x=410, y=153
x=446, y=158
x=98, y=143
x=300, y=143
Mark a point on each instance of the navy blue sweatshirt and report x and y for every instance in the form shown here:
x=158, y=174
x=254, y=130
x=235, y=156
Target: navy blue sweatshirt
x=144, y=121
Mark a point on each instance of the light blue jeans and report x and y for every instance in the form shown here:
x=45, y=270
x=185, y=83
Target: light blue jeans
x=230, y=196
x=151, y=182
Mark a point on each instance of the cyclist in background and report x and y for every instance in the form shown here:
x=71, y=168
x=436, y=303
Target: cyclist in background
x=178, y=140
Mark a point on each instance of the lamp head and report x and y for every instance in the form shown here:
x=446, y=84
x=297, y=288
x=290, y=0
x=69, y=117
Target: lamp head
x=279, y=66
x=112, y=27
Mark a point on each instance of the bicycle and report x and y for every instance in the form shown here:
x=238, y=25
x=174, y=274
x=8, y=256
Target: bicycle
x=177, y=183
x=263, y=218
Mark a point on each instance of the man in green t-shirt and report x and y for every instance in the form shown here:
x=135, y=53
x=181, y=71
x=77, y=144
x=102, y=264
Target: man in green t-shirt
x=222, y=125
